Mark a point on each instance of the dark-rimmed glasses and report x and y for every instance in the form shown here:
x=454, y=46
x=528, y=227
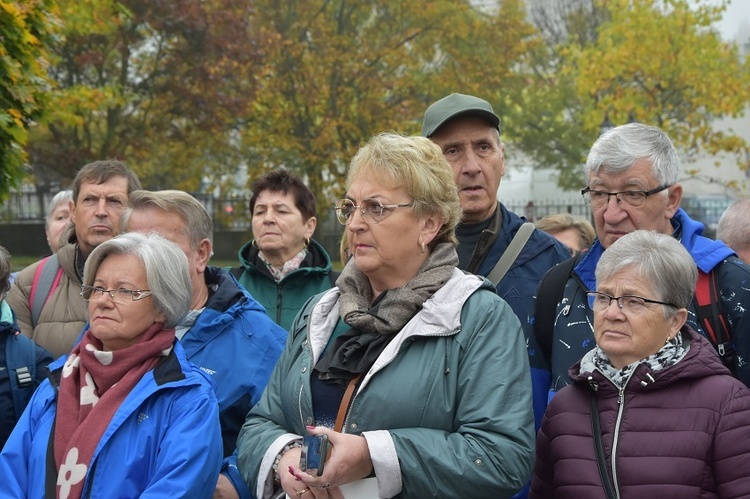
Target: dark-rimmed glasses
x=598, y=199
x=629, y=304
x=121, y=295
x=372, y=210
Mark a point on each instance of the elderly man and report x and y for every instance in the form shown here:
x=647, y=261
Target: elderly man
x=468, y=131
x=227, y=334
x=734, y=228
x=631, y=178
x=46, y=294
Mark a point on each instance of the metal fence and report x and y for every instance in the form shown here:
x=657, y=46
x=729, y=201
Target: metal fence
x=233, y=213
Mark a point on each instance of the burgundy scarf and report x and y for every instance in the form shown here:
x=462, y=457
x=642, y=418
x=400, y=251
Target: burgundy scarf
x=93, y=385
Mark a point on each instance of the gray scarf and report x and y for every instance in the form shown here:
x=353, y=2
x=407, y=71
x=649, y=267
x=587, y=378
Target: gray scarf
x=399, y=305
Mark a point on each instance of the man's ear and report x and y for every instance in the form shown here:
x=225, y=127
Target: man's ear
x=205, y=250
x=673, y=202
x=72, y=208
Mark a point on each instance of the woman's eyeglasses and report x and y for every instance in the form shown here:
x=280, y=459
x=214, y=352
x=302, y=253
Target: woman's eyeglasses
x=372, y=210
x=629, y=304
x=121, y=295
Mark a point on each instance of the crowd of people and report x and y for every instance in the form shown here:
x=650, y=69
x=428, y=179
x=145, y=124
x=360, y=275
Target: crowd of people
x=462, y=351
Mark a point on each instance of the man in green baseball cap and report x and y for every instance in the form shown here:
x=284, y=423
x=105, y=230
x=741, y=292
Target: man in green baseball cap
x=468, y=131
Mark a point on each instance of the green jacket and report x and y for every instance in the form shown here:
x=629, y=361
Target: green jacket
x=446, y=408
x=284, y=299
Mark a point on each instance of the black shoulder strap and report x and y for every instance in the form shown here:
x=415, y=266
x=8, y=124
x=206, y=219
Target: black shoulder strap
x=236, y=272
x=551, y=291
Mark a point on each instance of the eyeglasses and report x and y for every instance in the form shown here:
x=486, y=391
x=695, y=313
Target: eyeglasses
x=121, y=295
x=629, y=304
x=633, y=198
x=372, y=210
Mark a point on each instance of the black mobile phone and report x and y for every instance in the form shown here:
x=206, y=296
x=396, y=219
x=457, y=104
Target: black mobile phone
x=315, y=451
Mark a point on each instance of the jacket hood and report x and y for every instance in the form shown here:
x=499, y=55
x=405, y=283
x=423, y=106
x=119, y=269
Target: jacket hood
x=226, y=291
x=706, y=252
x=700, y=361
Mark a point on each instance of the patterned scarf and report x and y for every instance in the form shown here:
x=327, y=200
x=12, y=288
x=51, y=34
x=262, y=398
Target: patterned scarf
x=668, y=355
x=94, y=384
x=289, y=266
x=373, y=325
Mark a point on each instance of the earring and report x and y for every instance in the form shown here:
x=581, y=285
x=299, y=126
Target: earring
x=423, y=249
x=254, y=244
x=307, y=242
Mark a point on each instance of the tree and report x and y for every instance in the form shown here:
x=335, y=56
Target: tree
x=658, y=61
x=158, y=84
x=339, y=71
x=24, y=27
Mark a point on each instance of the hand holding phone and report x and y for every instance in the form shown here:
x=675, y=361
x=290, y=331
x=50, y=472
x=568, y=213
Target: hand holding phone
x=315, y=451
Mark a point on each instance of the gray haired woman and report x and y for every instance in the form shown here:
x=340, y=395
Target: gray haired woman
x=127, y=412
x=652, y=411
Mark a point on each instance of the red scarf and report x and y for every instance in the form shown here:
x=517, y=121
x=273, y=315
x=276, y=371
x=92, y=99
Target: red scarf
x=94, y=384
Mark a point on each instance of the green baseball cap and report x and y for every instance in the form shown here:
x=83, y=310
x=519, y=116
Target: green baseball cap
x=453, y=106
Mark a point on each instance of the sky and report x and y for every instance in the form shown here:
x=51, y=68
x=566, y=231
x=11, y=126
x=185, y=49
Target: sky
x=737, y=12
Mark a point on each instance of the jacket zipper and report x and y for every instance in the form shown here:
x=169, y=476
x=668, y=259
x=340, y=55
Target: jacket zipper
x=620, y=410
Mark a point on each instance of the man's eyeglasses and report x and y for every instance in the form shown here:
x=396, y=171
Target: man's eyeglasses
x=121, y=295
x=629, y=304
x=633, y=198
x=372, y=210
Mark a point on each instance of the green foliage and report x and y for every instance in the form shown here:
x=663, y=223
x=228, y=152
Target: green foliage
x=24, y=26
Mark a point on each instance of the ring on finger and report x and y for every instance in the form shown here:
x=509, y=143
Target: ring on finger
x=327, y=485
x=300, y=493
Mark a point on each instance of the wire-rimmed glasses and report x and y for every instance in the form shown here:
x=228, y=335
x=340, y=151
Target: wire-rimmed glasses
x=372, y=210
x=629, y=304
x=121, y=295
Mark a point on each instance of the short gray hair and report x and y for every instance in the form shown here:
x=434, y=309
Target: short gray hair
x=166, y=270
x=617, y=150
x=197, y=221
x=657, y=258
x=734, y=226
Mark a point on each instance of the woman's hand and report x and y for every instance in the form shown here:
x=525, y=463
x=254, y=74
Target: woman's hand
x=349, y=461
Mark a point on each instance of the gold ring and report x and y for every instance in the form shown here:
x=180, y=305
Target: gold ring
x=300, y=493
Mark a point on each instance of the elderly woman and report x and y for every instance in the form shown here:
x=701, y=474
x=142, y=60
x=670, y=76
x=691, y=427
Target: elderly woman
x=125, y=414
x=575, y=233
x=413, y=370
x=668, y=419
x=283, y=266
x=58, y=215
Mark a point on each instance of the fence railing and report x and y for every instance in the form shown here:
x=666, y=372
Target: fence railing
x=232, y=213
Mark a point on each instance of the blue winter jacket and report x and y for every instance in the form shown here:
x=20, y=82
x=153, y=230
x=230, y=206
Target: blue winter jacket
x=163, y=441
x=237, y=345
x=540, y=253
x=573, y=333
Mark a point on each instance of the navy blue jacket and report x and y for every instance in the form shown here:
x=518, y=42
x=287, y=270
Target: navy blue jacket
x=540, y=253
x=8, y=416
x=573, y=333
x=237, y=345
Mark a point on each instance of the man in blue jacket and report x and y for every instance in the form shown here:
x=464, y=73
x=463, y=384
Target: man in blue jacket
x=468, y=131
x=227, y=334
x=631, y=184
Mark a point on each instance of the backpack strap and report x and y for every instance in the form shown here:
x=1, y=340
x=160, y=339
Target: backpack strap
x=46, y=279
x=551, y=291
x=710, y=317
x=20, y=359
